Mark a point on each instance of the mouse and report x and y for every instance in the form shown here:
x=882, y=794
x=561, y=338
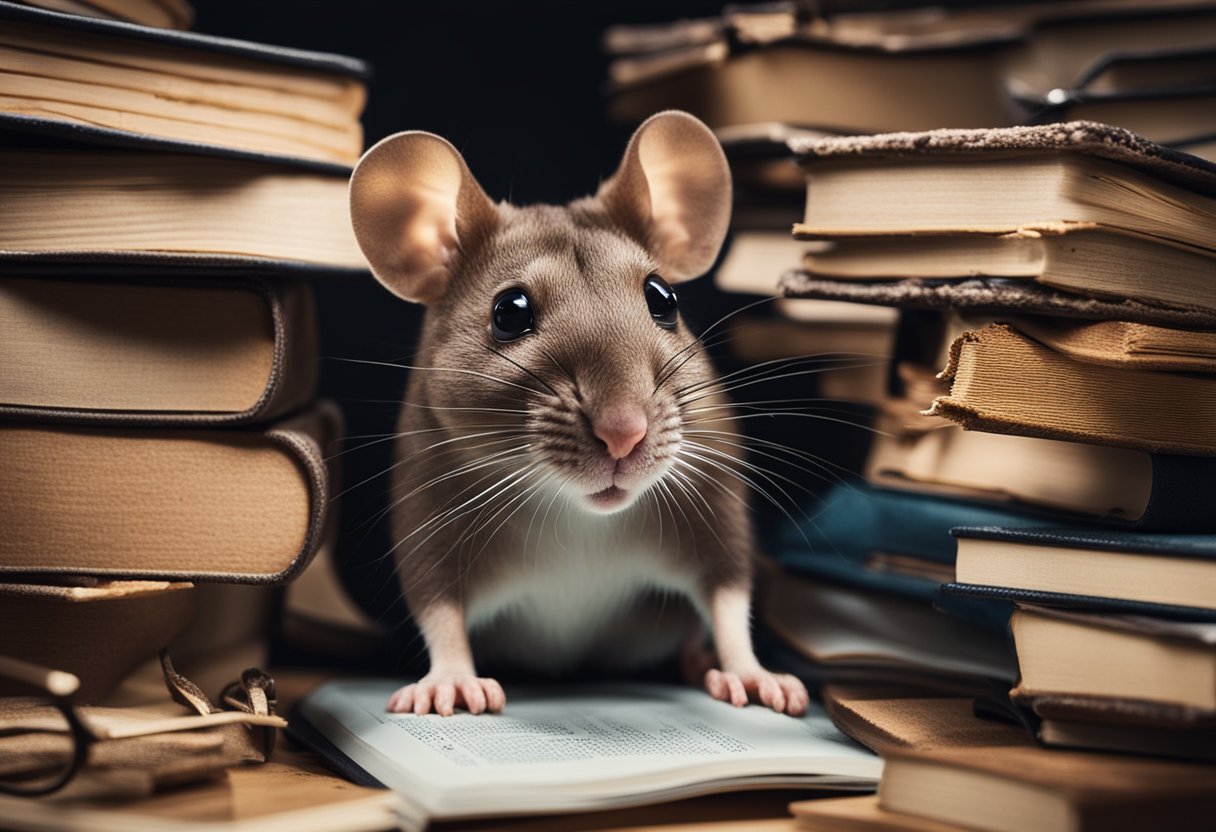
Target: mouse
x=566, y=482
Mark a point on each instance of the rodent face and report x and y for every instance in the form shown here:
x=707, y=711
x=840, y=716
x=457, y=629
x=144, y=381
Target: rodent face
x=593, y=387
x=597, y=388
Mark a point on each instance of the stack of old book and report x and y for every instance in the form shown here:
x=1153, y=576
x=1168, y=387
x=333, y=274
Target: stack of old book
x=164, y=197
x=1061, y=275
x=925, y=65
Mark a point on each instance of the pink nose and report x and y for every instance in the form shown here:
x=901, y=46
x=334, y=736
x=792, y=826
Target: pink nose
x=621, y=429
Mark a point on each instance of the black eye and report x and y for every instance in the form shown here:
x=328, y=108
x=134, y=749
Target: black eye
x=511, y=315
x=662, y=301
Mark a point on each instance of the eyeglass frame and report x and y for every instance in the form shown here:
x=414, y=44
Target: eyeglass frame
x=60, y=688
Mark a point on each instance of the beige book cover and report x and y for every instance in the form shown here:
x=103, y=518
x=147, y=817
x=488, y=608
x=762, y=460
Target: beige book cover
x=1003, y=382
x=1125, y=344
x=245, y=506
x=141, y=351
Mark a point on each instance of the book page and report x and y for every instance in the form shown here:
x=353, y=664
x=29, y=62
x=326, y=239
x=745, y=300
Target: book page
x=581, y=746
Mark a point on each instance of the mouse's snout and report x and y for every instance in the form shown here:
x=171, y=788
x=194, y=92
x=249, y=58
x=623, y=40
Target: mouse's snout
x=621, y=428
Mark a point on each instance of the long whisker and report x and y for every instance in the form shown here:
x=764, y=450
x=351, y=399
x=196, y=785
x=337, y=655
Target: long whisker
x=769, y=475
x=515, y=363
x=557, y=364
x=766, y=369
x=380, y=438
x=739, y=384
x=699, y=338
x=495, y=460
x=510, y=436
x=837, y=472
x=818, y=474
x=816, y=416
x=458, y=370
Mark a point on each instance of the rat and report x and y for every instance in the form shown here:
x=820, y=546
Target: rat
x=566, y=488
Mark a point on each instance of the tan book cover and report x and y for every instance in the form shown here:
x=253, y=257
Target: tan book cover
x=199, y=209
x=1123, y=344
x=246, y=506
x=886, y=720
x=98, y=630
x=179, y=352
x=1003, y=382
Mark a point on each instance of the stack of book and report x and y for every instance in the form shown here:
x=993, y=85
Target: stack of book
x=1060, y=275
x=859, y=67
x=947, y=771
x=165, y=198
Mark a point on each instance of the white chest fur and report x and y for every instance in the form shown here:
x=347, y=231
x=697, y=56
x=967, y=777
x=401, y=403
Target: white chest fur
x=584, y=589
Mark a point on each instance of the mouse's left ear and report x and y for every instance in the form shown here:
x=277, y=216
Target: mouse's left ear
x=416, y=209
x=672, y=192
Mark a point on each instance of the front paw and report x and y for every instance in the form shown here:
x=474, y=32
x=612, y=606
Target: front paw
x=442, y=693
x=780, y=691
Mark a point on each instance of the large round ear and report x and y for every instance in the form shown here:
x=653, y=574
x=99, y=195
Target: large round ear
x=672, y=191
x=415, y=207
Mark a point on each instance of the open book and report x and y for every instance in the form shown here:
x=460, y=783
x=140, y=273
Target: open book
x=581, y=748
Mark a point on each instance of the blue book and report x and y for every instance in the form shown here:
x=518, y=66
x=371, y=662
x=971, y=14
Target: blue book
x=865, y=537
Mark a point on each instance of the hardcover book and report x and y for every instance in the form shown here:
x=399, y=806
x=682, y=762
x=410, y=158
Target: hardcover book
x=245, y=506
x=1083, y=259
x=1003, y=382
x=192, y=209
x=1053, y=176
x=186, y=351
x=1127, y=657
x=1173, y=575
x=1114, y=486
x=943, y=764
x=180, y=88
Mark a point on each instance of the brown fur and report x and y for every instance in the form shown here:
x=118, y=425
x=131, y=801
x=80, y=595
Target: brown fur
x=519, y=521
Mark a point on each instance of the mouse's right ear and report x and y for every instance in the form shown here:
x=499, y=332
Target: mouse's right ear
x=415, y=206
